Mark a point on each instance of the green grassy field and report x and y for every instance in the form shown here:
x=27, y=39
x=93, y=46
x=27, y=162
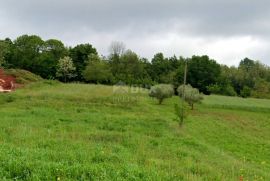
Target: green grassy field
x=54, y=131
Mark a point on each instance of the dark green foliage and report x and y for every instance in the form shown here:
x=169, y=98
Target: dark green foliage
x=261, y=89
x=33, y=54
x=129, y=68
x=53, y=50
x=5, y=50
x=247, y=64
x=167, y=70
x=97, y=70
x=202, y=72
x=26, y=52
x=226, y=89
x=79, y=55
x=39, y=56
x=245, y=92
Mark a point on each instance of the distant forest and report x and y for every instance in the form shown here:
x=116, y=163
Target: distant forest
x=52, y=60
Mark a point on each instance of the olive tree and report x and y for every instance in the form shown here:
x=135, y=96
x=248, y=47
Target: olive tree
x=191, y=95
x=161, y=92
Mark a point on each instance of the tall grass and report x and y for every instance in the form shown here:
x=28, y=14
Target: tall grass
x=54, y=131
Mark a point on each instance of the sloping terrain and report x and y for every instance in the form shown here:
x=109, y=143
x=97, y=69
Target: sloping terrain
x=23, y=76
x=50, y=131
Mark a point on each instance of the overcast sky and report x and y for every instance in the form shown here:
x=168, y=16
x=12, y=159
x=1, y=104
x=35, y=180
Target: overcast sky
x=226, y=30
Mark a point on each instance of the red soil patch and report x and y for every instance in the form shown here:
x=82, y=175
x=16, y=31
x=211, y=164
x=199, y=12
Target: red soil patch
x=7, y=83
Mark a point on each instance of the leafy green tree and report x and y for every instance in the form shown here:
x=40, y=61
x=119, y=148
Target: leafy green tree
x=161, y=67
x=38, y=56
x=79, y=55
x=192, y=95
x=245, y=92
x=166, y=70
x=129, y=68
x=245, y=75
x=224, y=83
x=161, y=92
x=202, y=72
x=26, y=53
x=5, y=49
x=225, y=89
x=97, y=70
x=247, y=64
x=52, y=51
x=261, y=89
x=66, y=69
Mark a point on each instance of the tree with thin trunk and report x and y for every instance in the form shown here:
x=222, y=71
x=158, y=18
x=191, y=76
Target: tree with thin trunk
x=192, y=95
x=161, y=92
x=65, y=68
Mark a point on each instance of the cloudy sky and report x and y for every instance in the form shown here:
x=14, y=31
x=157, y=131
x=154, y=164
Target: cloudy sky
x=226, y=30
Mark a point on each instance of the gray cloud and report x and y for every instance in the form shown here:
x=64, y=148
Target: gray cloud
x=226, y=30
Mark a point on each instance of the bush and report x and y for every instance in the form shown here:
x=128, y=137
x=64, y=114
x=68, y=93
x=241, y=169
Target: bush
x=214, y=89
x=97, y=70
x=192, y=95
x=245, y=92
x=161, y=92
x=226, y=90
x=261, y=89
x=229, y=91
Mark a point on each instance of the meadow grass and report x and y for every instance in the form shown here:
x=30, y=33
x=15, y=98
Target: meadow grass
x=54, y=131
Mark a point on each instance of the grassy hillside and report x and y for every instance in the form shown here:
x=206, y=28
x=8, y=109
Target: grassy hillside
x=23, y=76
x=54, y=131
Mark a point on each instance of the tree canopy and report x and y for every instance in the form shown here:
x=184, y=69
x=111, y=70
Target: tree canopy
x=32, y=53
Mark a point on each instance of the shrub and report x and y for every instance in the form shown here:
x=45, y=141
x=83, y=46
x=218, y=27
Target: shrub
x=245, y=92
x=214, y=89
x=226, y=90
x=192, y=95
x=229, y=91
x=261, y=89
x=161, y=92
x=97, y=70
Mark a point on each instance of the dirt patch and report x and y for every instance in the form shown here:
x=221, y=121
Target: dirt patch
x=7, y=82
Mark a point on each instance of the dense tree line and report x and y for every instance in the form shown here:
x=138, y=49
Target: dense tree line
x=51, y=59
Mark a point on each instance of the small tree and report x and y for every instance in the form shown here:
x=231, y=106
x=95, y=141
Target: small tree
x=65, y=68
x=181, y=112
x=161, y=92
x=192, y=95
x=97, y=70
x=245, y=92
